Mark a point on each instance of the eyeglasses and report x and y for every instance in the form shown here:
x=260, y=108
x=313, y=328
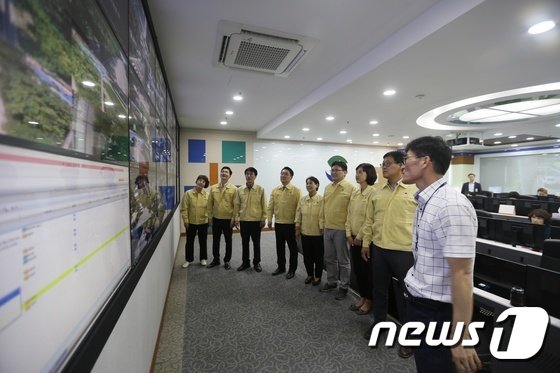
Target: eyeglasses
x=405, y=158
x=386, y=164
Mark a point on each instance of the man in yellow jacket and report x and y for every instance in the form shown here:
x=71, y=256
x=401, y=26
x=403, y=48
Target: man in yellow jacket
x=250, y=214
x=282, y=205
x=220, y=210
x=333, y=221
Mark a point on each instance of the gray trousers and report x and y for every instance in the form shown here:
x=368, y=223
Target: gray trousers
x=337, y=257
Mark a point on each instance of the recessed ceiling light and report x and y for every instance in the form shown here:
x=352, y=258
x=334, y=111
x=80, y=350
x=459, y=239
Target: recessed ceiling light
x=389, y=92
x=557, y=125
x=376, y=142
x=287, y=136
x=497, y=142
x=541, y=27
x=33, y=122
x=229, y=112
x=109, y=103
x=400, y=144
x=238, y=97
x=122, y=116
x=498, y=134
x=529, y=138
x=343, y=132
x=406, y=137
x=305, y=129
x=514, y=145
x=88, y=83
x=348, y=140
x=223, y=122
x=330, y=117
x=319, y=139
x=373, y=122
x=512, y=137
x=39, y=138
x=375, y=135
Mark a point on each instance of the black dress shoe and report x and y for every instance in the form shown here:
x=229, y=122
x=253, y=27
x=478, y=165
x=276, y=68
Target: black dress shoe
x=243, y=267
x=316, y=282
x=290, y=275
x=405, y=352
x=278, y=271
x=308, y=280
x=213, y=264
x=226, y=265
x=258, y=267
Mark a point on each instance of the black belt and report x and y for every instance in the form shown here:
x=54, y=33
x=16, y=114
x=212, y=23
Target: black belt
x=430, y=303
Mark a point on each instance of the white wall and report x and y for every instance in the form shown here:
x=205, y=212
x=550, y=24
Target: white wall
x=309, y=159
x=132, y=343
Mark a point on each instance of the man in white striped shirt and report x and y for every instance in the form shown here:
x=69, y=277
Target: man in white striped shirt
x=439, y=287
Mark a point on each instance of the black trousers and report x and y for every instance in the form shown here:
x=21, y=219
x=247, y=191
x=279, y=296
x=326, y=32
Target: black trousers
x=430, y=359
x=286, y=233
x=362, y=269
x=387, y=264
x=251, y=230
x=202, y=230
x=313, y=254
x=220, y=226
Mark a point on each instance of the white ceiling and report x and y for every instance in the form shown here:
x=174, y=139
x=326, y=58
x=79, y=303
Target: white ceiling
x=443, y=50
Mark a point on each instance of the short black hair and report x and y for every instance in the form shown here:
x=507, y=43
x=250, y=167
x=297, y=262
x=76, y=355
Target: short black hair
x=435, y=148
x=397, y=156
x=141, y=178
x=313, y=179
x=251, y=169
x=340, y=164
x=470, y=173
x=370, y=172
x=204, y=178
x=289, y=170
x=541, y=213
x=227, y=168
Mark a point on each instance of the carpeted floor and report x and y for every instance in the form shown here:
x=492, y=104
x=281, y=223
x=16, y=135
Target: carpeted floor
x=229, y=321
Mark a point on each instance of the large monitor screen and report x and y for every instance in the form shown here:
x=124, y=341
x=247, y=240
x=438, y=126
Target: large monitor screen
x=64, y=248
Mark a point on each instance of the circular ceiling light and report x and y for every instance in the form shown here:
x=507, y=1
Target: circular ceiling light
x=238, y=97
x=373, y=122
x=329, y=118
x=305, y=129
x=319, y=139
x=541, y=27
x=389, y=92
x=483, y=112
x=343, y=132
x=229, y=112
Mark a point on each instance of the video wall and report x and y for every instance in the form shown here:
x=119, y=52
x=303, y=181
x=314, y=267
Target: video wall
x=88, y=161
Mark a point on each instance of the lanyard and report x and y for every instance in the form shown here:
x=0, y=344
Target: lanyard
x=418, y=218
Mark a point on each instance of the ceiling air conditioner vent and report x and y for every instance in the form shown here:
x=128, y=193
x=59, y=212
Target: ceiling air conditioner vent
x=257, y=49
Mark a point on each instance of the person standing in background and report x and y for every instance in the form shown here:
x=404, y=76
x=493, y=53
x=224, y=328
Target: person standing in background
x=439, y=286
x=307, y=225
x=471, y=187
x=194, y=211
x=387, y=236
x=282, y=205
x=220, y=209
x=333, y=218
x=250, y=214
x=365, y=177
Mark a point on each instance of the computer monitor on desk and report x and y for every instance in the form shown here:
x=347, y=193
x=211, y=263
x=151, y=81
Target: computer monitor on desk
x=542, y=289
x=519, y=233
x=525, y=206
x=498, y=276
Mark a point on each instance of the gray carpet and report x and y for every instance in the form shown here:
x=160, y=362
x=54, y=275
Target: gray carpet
x=254, y=322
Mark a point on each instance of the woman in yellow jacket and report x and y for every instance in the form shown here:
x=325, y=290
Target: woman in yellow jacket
x=307, y=226
x=195, y=217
